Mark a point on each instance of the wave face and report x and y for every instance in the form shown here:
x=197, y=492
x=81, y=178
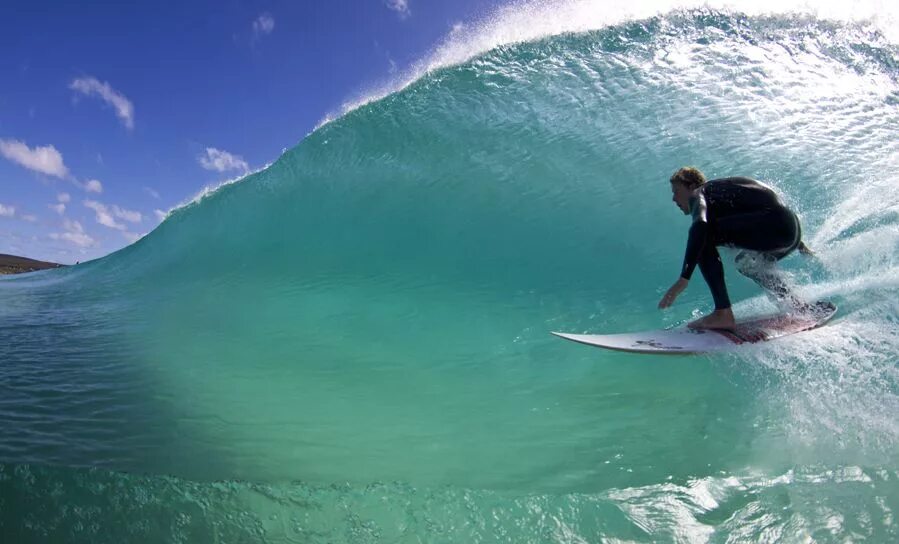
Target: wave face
x=352, y=344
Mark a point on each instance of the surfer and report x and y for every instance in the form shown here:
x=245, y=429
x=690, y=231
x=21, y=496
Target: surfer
x=735, y=212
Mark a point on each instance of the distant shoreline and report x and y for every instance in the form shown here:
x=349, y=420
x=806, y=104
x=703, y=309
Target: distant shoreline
x=11, y=264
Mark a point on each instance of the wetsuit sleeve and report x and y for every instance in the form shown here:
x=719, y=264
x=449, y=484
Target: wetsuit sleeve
x=698, y=234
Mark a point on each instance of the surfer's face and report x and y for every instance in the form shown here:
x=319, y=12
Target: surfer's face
x=680, y=195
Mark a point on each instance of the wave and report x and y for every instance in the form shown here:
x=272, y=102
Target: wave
x=374, y=306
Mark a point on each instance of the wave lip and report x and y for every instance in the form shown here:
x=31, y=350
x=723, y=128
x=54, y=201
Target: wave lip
x=530, y=20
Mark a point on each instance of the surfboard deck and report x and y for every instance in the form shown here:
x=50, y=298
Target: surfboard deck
x=682, y=340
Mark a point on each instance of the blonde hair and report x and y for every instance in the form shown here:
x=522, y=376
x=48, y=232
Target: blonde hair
x=689, y=176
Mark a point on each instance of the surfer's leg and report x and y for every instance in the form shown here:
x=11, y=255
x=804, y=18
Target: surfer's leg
x=766, y=237
x=773, y=232
x=761, y=268
x=713, y=272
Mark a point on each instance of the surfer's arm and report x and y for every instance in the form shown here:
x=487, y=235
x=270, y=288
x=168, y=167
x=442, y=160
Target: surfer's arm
x=699, y=231
x=698, y=234
x=673, y=292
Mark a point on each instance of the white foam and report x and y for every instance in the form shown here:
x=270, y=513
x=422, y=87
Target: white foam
x=525, y=21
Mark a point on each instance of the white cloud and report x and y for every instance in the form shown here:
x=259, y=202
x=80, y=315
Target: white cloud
x=74, y=234
x=264, y=24
x=63, y=197
x=91, y=186
x=399, y=6
x=10, y=211
x=46, y=160
x=161, y=215
x=58, y=208
x=107, y=216
x=127, y=215
x=103, y=215
x=92, y=86
x=221, y=161
x=151, y=192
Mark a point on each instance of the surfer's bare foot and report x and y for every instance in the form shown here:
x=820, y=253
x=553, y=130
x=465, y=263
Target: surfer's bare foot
x=719, y=319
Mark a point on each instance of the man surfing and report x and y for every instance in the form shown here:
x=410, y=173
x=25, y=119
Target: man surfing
x=736, y=212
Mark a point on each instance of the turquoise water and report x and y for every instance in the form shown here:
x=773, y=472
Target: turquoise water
x=352, y=344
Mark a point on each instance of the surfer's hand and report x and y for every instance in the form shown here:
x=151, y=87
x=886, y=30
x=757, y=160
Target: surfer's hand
x=672, y=293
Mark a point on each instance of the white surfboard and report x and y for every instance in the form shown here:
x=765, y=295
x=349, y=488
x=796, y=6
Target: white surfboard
x=682, y=340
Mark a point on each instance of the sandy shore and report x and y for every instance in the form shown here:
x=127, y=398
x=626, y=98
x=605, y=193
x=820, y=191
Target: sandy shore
x=10, y=264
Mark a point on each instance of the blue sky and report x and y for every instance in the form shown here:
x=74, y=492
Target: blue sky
x=113, y=113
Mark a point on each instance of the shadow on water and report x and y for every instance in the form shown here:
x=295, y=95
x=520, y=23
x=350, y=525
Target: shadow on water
x=75, y=392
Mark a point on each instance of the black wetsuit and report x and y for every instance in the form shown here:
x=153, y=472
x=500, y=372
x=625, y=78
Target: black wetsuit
x=741, y=213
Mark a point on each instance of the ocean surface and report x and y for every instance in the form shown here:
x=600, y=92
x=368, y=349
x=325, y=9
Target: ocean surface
x=352, y=344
